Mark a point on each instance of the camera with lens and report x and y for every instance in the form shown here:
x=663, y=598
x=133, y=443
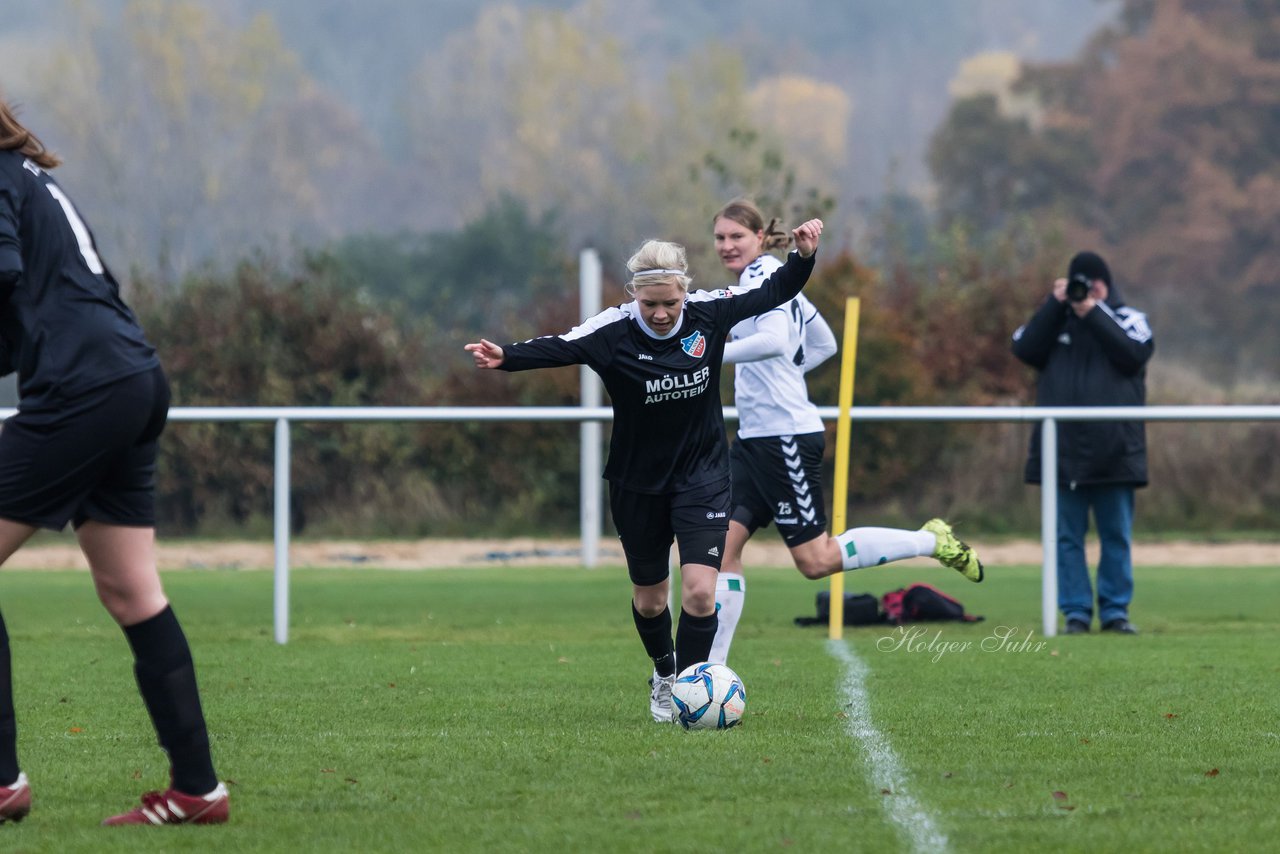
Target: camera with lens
x=1078, y=287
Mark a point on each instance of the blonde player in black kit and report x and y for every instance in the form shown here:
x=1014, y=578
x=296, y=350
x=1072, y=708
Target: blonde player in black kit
x=82, y=449
x=668, y=470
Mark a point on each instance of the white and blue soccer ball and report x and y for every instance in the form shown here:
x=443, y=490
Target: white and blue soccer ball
x=708, y=696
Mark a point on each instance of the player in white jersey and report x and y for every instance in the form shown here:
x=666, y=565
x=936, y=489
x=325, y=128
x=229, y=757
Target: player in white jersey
x=776, y=459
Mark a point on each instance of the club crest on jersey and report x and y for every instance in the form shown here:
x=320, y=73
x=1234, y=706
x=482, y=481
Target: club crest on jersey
x=695, y=345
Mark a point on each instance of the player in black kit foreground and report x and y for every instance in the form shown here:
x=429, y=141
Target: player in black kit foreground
x=92, y=402
x=659, y=357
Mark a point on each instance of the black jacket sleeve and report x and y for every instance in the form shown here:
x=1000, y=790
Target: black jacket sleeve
x=1127, y=349
x=1033, y=342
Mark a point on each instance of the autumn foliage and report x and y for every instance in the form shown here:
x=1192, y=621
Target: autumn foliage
x=264, y=336
x=1157, y=148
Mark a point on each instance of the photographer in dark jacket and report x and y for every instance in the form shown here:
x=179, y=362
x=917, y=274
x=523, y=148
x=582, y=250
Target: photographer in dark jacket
x=1091, y=350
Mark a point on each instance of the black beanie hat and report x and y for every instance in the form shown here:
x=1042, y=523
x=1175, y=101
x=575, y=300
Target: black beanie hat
x=1091, y=265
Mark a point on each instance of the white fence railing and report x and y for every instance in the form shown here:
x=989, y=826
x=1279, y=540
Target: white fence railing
x=591, y=417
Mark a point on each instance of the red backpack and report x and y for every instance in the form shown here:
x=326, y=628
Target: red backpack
x=920, y=602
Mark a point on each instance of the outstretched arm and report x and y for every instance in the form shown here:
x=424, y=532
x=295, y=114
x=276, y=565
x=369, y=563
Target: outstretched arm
x=486, y=353
x=785, y=282
x=589, y=343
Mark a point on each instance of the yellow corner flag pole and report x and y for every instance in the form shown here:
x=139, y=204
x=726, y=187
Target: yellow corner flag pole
x=840, y=497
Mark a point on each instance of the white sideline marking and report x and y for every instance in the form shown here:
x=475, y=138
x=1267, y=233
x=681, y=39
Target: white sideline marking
x=886, y=769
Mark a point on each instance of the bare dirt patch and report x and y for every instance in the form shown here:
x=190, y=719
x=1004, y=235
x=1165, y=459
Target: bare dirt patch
x=61, y=553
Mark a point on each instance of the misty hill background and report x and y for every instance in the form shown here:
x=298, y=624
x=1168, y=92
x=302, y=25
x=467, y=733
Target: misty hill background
x=379, y=74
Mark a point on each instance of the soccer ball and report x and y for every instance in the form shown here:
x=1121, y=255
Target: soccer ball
x=708, y=696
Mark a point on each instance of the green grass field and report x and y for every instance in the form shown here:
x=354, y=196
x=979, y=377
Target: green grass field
x=506, y=710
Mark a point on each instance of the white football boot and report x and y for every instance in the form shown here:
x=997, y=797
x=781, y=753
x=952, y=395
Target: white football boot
x=660, y=705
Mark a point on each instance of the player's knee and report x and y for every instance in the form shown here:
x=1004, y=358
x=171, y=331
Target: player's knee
x=699, y=601
x=816, y=562
x=649, y=603
x=817, y=558
x=129, y=610
x=812, y=569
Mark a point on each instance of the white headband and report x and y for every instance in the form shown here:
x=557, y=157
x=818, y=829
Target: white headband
x=658, y=273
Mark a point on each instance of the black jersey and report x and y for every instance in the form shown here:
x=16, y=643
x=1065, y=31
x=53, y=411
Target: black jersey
x=61, y=317
x=668, y=425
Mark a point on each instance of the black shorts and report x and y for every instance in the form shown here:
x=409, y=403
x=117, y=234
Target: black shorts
x=94, y=458
x=779, y=478
x=696, y=519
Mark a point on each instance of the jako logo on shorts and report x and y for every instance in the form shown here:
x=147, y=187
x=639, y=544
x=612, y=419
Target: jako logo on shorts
x=695, y=345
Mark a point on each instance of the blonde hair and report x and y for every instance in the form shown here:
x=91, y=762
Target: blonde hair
x=15, y=137
x=745, y=213
x=658, y=262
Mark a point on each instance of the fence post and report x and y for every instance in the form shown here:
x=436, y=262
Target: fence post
x=1049, y=525
x=282, y=531
x=589, y=432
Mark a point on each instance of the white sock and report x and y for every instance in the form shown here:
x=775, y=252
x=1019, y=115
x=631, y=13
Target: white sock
x=863, y=547
x=731, y=590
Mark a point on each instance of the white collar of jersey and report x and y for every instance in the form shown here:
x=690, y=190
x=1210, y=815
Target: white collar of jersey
x=644, y=327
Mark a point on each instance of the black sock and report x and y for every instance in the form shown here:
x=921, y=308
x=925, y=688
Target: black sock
x=167, y=679
x=655, y=634
x=694, y=637
x=8, y=723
